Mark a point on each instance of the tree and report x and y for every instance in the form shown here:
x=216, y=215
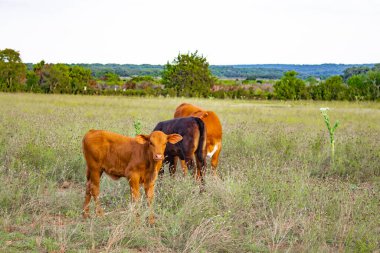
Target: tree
x=79, y=78
x=373, y=78
x=311, y=80
x=188, y=75
x=333, y=89
x=111, y=78
x=58, y=78
x=348, y=72
x=32, y=80
x=55, y=78
x=12, y=70
x=359, y=87
x=290, y=87
x=376, y=67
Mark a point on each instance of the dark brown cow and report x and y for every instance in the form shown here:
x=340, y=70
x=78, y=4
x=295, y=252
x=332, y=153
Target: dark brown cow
x=213, y=128
x=192, y=146
x=138, y=159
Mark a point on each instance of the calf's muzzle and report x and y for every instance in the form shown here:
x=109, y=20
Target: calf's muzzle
x=158, y=157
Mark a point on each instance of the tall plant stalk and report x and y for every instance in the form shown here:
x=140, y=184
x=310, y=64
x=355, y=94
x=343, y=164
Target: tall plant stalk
x=331, y=130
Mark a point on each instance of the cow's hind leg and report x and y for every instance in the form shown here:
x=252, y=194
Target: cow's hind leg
x=215, y=159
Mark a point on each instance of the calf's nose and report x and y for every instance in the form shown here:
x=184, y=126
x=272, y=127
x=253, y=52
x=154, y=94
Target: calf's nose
x=158, y=157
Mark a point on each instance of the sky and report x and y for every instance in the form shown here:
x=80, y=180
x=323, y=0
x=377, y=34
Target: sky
x=225, y=32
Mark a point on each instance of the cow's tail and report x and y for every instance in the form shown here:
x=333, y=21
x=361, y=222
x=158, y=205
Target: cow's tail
x=201, y=149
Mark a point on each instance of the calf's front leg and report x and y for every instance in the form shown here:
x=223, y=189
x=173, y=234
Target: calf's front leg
x=149, y=192
x=134, y=185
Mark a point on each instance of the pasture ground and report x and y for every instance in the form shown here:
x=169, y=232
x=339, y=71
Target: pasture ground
x=277, y=191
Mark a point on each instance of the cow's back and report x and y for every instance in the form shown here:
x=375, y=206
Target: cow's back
x=186, y=110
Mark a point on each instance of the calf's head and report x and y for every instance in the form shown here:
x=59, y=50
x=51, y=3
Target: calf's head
x=157, y=142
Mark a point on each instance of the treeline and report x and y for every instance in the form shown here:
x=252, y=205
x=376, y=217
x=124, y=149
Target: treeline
x=267, y=71
x=124, y=70
x=355, y=84
x=98, y=70
x=188, y=75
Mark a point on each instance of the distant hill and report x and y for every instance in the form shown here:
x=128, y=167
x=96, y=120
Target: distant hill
x=275, y=71
x=270, y=71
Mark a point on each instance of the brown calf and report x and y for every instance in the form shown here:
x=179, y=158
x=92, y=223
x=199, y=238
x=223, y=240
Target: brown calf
x=138, y=159
x=213, y=129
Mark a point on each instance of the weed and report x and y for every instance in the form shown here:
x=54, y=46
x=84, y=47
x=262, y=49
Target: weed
x=331, y=130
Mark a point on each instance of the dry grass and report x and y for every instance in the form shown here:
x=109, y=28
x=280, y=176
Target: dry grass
x=277, y=190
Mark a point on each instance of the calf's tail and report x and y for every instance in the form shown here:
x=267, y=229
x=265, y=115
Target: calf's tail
x=201, y=149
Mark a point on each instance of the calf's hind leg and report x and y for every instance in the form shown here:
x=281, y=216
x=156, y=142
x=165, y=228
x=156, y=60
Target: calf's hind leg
x=184, y=167
x=188, y=164
x=92, y=190
x=172, y=164
x=201, y=166
x=87, y=198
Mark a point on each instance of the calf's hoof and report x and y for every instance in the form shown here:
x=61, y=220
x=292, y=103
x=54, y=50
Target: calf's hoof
x=151, y=220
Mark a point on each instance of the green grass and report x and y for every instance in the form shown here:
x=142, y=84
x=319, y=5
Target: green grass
x=277, y=189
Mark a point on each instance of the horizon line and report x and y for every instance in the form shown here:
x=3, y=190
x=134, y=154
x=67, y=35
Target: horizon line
x=238, y=64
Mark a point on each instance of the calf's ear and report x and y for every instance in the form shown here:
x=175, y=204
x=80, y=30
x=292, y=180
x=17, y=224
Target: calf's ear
x=174, y=138
x=142, y=138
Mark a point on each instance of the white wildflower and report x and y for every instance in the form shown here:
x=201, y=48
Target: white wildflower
x=323, y=109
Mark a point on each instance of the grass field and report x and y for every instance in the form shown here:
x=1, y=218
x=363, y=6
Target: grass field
x=277, y=189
